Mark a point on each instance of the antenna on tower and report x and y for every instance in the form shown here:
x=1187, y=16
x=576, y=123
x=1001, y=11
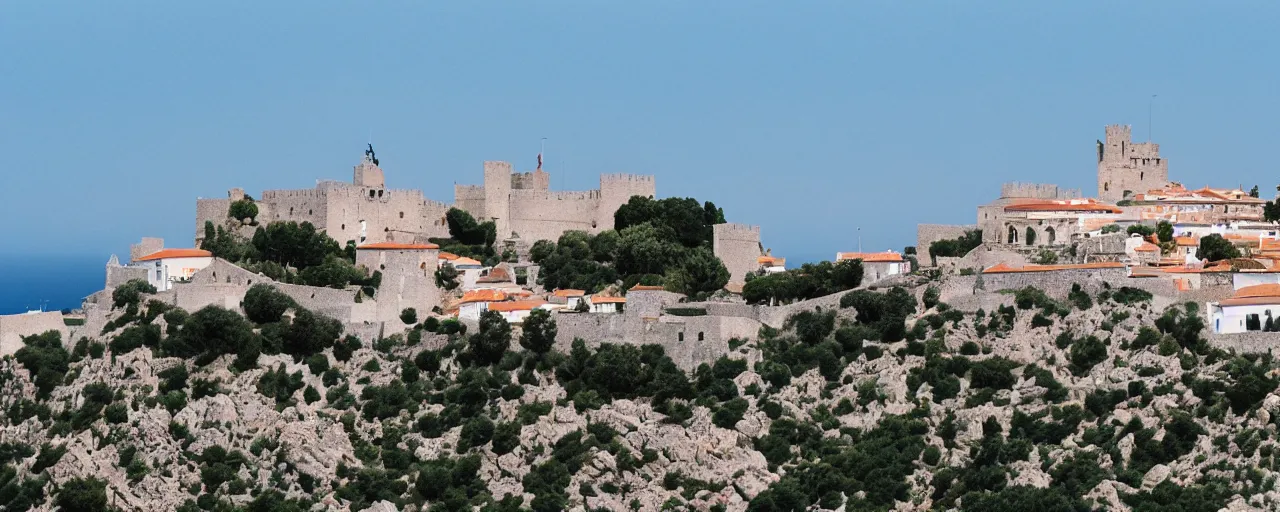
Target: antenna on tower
x=1150, y=105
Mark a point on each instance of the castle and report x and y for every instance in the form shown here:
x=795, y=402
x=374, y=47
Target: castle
x=365, y=211
x=1126, y=168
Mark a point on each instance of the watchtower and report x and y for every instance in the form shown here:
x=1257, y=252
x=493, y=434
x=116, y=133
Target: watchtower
x=1127, y=168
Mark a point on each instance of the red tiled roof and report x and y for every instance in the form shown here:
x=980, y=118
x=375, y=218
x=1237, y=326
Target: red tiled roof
x=483, y=296
x=1002, y=268
x=465, y=261
x=394, y=246
x=771, y=261
x=176, y=253
x=596, y=299
x=1062, y=206
x=569, y=293
x=448, y=256
x=1256, y=295
x=497, y=275
x=1146, y=247
x=870, y=257
x=1186, y=241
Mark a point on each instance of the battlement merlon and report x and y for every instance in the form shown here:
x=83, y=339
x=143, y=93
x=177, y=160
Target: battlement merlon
x=623, y=177
x=735, y=231
x=1037, y=191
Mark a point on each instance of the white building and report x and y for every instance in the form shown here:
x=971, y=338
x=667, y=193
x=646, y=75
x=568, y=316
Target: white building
x=877, y=265
x=1247, y=310
x=475, y=302
x=771, y=264
x=514, y=312
x=167, y=266
x=571, y=298
x=607, y=304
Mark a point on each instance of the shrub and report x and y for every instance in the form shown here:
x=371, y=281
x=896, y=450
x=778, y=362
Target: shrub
x=263, y=304
x=491, y=341
x=82, y=495
x=43, y=356
x=1086, y=353
x=409, y=316
x=243, y=209
x=130, y=293
x=539, y=332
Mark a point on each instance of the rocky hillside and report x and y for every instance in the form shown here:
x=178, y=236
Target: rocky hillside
x=894, y=401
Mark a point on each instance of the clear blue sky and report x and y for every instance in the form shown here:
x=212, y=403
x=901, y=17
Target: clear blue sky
x=807, y=118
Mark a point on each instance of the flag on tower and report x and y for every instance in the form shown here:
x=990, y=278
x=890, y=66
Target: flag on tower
x=539, y=161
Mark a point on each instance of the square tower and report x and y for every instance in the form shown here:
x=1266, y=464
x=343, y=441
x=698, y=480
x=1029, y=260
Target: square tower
x=1126, y=168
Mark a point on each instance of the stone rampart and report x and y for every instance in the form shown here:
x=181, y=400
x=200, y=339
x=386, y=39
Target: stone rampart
x=14, y=327
x=927, y=234
x=1037, y=191
x=1252, y=342
x=1058, y=283
x=689, y=341
x=738, y=246
x=545, y=215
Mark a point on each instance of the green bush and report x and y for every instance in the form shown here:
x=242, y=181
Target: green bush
x=44, y=357
x=263, y=304
x=409, y=316
x=82, y=495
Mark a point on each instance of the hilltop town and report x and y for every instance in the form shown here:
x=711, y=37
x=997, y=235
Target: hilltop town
x=357, y=347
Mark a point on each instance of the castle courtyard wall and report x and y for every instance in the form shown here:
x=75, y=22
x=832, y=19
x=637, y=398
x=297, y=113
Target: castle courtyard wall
x=927, y=234
x=545, y=215
x=14, y=327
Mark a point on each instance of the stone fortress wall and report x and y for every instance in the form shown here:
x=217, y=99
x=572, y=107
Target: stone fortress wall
x=738, y=246
x=365, y=211
x=927, y=234
x=14, y=327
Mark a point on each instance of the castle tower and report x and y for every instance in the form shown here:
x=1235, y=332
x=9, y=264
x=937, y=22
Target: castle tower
x=738, y=247
x=1127, y=168
x=368, y=174
x=497, y=196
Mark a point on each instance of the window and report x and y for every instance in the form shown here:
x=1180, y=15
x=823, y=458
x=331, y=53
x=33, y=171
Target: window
x=680, y=337
x=402, y=215
x=371, y=193
x=700, y=336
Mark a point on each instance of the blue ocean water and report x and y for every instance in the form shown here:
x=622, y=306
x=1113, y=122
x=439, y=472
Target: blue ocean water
x=31, y=281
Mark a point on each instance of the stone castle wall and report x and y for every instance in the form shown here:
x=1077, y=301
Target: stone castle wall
x=14, y=327
x=545, y=215
x=1058, y=283
x=1125, y=166
x=616, y=190
x=408, y=281
x=689, y=341
x=738, y=246
x=927, y=234
x=1037, y=191
x=470, y=198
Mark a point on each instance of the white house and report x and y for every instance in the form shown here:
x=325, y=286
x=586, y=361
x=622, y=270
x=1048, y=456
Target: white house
x=601, y=304
x=475, y=302
x=571, y=298
x=167, y=266
x=1247, y=310
x=772, y=265
x=877, y=265
x=515, y=311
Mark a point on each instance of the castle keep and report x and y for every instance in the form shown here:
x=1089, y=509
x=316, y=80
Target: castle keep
x=523, y=206
x=365, y=211
x=1127, y=168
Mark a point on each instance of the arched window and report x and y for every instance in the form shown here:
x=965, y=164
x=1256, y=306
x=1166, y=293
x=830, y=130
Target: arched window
x=1013, y=235
x=1031, y=236
x=1050, y=235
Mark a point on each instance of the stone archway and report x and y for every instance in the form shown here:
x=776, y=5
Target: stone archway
x=1030, y=239
x=1050, y=235
x=1013, y=235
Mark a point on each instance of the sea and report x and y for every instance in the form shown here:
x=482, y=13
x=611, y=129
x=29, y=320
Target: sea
x=50, y=282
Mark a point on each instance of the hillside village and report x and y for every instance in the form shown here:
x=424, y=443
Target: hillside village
x=357, y=347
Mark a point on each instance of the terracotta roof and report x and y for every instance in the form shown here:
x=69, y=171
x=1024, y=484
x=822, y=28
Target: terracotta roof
x=569, y=293
x=176, y=253
x=497, y=275
x=483, y=296
x=1256, y=295
x=516, y=305
x=646, y=288
x=394, y=246
x=1063, y=206
x=870, y=257
x=1181, y=285
x=448, y=256
x=1002, y=268
x=1146, y=247
x=771, y=261
x=596, y=299
x=1186, y=241
x=465, y=261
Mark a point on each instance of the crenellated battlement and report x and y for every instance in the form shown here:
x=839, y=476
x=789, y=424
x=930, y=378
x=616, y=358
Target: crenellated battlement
x=733, y=230
x=468, y=192
x=559, y=195
x=623, y=177
x=268, y=195
x=1037, y=191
